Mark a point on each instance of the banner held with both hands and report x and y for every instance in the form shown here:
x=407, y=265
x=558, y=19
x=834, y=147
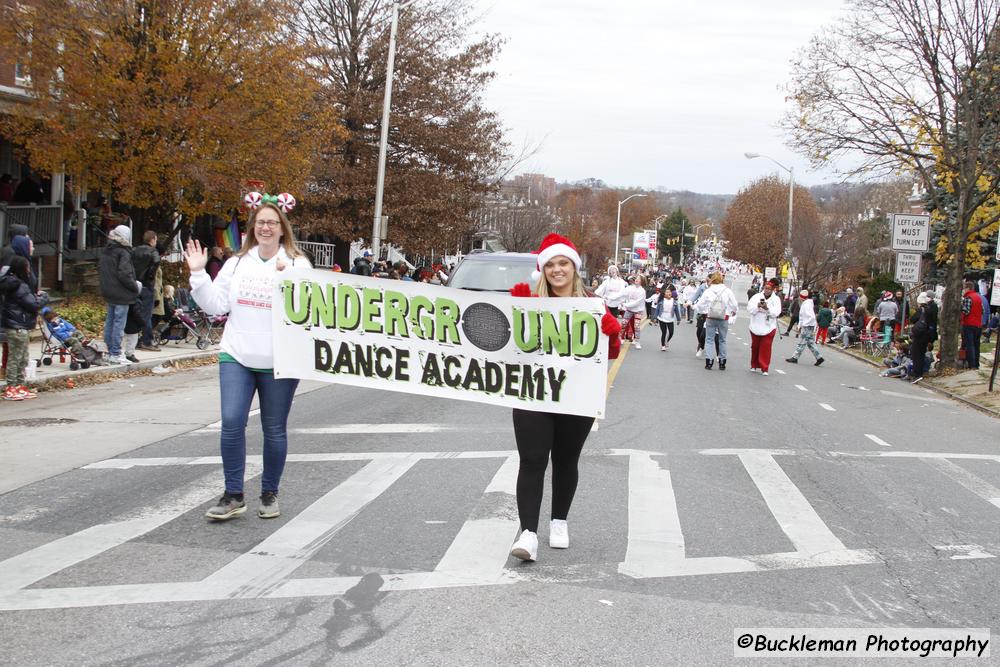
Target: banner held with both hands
x=546, y=355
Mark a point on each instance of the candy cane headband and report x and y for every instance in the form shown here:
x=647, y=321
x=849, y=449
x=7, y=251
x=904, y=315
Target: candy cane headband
x=284, y=201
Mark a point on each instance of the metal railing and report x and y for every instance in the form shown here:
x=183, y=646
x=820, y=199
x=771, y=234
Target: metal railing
x=44, y=223
x=322, y=253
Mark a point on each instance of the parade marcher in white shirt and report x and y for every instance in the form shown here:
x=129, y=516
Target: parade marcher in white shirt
x=634, y=306
x=764, y=308
x=807, y=330
x=666, y=312
x=718, y=304
x=612, y=291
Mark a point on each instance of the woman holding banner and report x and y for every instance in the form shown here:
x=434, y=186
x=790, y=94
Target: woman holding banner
x=540, y=435
x=243, y=288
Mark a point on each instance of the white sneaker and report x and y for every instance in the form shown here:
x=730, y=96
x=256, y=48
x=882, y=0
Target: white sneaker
x=638, y=345
x=698, y=353
x=558, y=534
x=764, y=373
x=663, y=348
x=119, y=360
x=526, y=547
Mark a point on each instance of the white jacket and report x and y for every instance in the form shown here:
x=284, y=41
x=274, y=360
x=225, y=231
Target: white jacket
x=763, y=322
x=688, y=294
x=244, y=288
x=807, y=313
x=635, y=299
x=612, y=291
x=713, y=292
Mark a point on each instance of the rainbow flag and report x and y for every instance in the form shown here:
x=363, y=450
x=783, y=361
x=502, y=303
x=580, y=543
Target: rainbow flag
x=229, y=237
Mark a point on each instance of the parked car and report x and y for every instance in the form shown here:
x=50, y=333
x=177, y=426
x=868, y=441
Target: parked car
x=493, y=271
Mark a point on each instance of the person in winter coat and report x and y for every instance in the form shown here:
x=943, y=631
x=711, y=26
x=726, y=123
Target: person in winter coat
x=807, y=330
x=718, y=305
x=363, y=264
x=612, y=290
x=824, y=318
x=119, y=288
x=793, y=316
x=244, y=288
x=924, y=321
x=764, y=309
x=541, y=435
x=146, y=262
x=634, y=306
x=21, y=304
x=8, y=253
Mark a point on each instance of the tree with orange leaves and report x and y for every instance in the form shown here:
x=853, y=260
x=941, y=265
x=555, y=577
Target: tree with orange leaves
x=168, y=104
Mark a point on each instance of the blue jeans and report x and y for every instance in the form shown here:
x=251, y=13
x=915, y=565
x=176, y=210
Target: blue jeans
x=146, y=310
x=114, y=327
x=970, y=343
x=238, y=385
x=713, y=327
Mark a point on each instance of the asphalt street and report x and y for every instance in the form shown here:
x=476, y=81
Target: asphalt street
x=708, y=500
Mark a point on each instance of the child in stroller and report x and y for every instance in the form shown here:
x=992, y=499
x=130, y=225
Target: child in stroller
x=67, y=336
x=177, y=325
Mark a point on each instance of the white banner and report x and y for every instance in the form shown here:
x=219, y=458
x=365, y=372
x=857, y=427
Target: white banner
x=640, y=240
x=995, y=296
x=545, y=355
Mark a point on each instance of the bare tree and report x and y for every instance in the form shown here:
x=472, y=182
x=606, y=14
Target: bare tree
x=910, y=85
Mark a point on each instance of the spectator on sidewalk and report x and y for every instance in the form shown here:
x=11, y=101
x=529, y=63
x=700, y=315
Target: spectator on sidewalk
x=8, y=253
x=887, y=310
x=119, y=288
x=972, y=322
x=793, y=316
x=920, y=333
x=146, y=261
x=215, y=262
x=824, y=318
x=21, y=304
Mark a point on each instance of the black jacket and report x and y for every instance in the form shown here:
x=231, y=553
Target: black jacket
x=7, y=253
x=144, y=261
x=362, y=267
x=20, y=303
x=117, y=275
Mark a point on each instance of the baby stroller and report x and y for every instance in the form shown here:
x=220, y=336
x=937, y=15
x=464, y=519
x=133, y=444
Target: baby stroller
x=52, y=346
x=212, y=326
x=181, y=327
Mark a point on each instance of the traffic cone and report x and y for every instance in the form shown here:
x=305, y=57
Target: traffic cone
x=70, y=384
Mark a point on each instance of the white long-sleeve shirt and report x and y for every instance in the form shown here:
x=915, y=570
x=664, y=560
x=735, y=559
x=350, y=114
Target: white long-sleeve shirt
x=667, y=311
x=244, y=288
x=711, y=294
x=612, y=291
x=763, y=322
x=807, y=313
x=635, y=299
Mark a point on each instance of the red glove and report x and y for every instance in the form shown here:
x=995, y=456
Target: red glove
x=610, y=325
x=520, y=289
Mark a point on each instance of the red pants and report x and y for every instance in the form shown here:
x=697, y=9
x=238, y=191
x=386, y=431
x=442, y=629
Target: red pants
x=821, y=334
x=760, y=351
x=630, y=326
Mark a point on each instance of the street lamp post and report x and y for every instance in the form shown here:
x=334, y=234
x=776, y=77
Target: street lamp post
x=791, y=190
x=384, y=140
x=618, y=224
x=697, y=227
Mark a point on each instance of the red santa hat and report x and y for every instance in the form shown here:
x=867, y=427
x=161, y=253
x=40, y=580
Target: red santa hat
x=554, y=245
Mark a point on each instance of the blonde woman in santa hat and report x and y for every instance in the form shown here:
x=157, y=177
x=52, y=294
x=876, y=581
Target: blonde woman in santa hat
x=243, y=288
x=540, y=435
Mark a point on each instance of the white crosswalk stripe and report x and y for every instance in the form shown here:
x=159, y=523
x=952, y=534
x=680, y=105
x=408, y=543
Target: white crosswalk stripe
x=478, y=552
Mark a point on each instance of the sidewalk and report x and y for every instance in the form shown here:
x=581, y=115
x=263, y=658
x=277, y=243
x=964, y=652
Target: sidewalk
x=55, y=375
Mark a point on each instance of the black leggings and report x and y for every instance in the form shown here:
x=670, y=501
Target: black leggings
x=666, y=327
x=538, y=435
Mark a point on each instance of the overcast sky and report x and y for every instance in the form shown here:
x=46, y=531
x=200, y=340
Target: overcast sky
x=651, y=92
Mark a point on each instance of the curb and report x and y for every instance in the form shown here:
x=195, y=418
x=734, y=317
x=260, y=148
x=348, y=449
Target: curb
x=961, y=399
x=108, y=372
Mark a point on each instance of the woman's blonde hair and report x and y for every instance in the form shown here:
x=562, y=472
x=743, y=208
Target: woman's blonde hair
x=287, y=239
x=715, y=278
x=579, y=289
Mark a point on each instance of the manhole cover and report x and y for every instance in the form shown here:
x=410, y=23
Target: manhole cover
x=38, y=421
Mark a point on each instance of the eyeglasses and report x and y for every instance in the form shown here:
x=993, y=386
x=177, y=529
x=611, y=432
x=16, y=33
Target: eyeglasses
x=267, y=223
